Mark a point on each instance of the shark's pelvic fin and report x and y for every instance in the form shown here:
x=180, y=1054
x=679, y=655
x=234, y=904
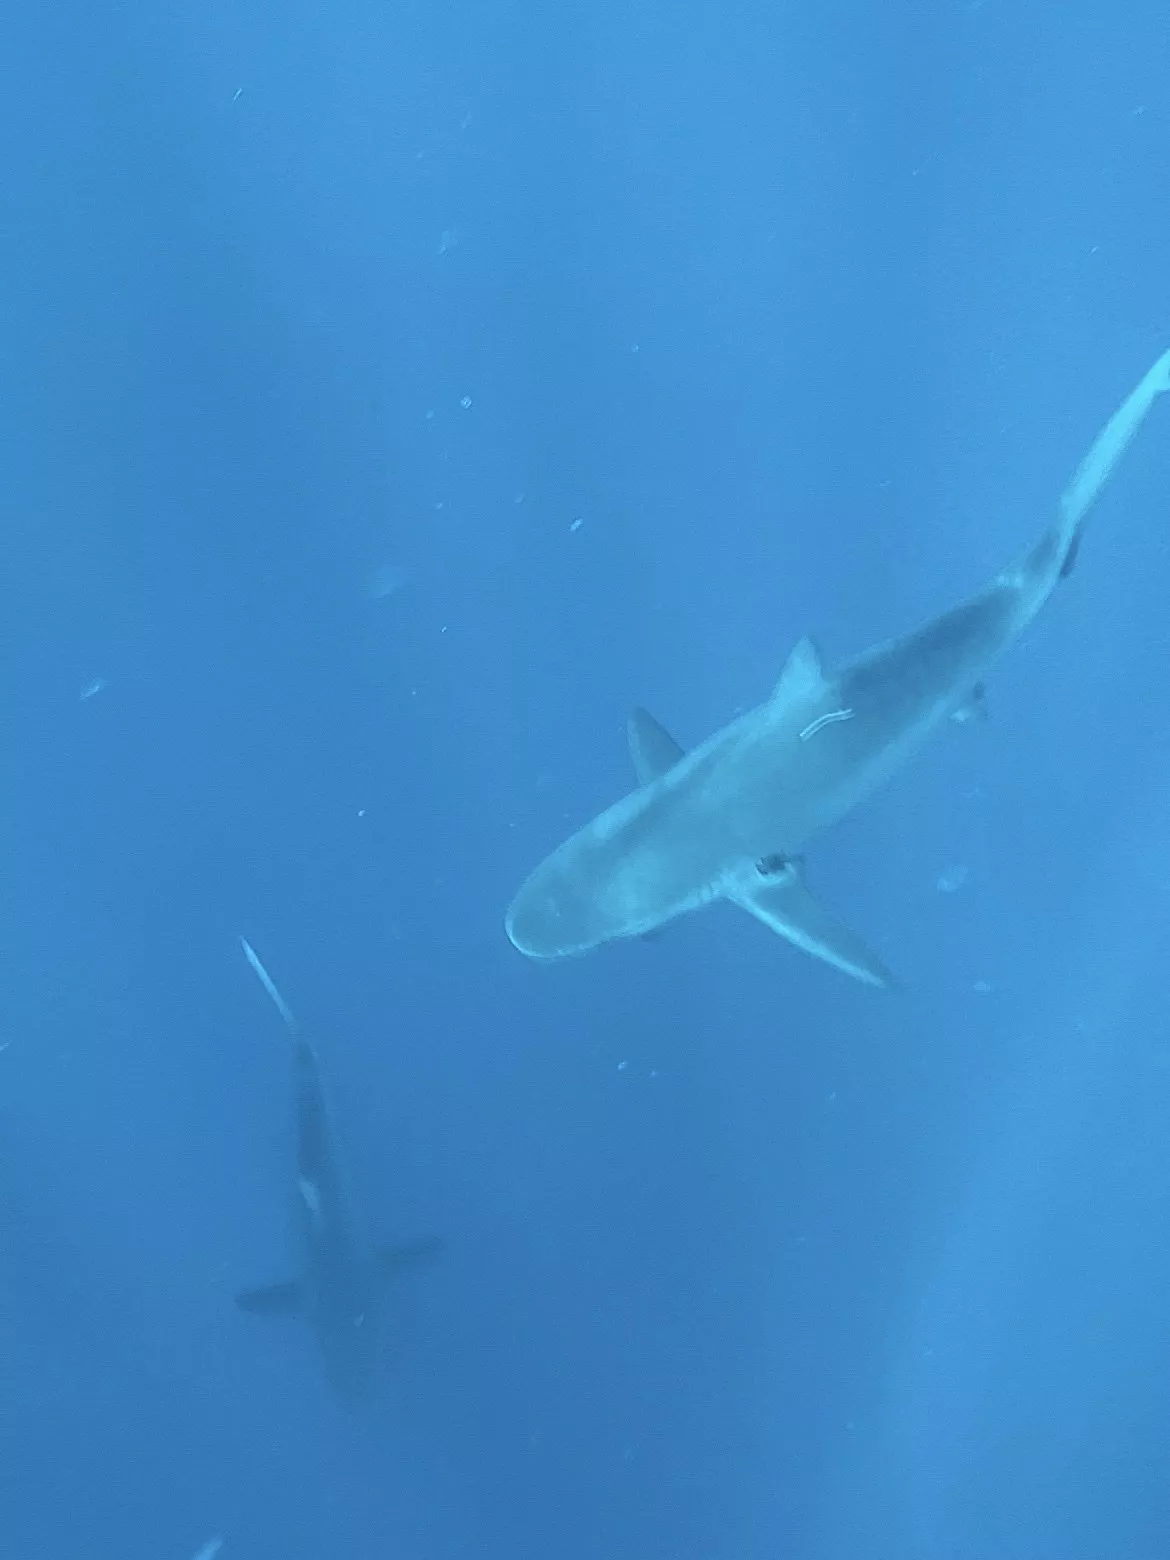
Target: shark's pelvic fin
x=803, y=676
x=652, y=748
x=783, y=903
x=392, y=1260
x=285, y=1299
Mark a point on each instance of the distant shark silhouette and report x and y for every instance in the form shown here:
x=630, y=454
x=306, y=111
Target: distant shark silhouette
x=729, y=819
x=340, y=1288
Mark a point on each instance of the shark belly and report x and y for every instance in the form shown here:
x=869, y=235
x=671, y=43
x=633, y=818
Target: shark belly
x=345, y=1320
x=751, y=791
x=617, y=877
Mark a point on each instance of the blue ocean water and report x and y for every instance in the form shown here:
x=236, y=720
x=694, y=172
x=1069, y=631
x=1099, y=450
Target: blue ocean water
x=395, y=395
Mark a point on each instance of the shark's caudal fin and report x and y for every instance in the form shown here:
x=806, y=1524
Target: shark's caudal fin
x=777, y=898
x=1107, y=449
x=1054, y=556
x=269, y=985
x=285, y=1299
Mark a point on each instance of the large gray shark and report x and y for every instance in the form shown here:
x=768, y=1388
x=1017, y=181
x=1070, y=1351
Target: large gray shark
x=340, y=1287
x=729, y=819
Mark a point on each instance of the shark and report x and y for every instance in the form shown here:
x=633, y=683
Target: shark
x=730, y=819
x=342, y=1279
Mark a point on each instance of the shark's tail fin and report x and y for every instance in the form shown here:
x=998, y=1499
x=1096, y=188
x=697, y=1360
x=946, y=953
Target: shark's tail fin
x=1099, y=464
x=1053, y=557
x=1104, y=453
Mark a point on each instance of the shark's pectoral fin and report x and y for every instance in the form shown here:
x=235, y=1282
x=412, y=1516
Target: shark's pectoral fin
x=779, y=898
x=652, y=748
x=392, y=1260
x=285, y=1299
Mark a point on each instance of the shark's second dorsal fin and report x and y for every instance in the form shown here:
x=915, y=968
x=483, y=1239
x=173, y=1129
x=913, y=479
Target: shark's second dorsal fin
x=652, y=748
x=803, y=676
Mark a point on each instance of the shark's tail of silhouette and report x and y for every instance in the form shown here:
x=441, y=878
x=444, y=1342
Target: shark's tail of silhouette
x=270, y=987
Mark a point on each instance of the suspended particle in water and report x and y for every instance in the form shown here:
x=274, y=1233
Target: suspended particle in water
x=387, y=580
x=951, y=881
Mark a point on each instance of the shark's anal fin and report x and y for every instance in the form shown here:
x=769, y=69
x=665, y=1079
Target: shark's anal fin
x=781, y=901
x=652, y=748
x=392, y=1260
x=284, y=1299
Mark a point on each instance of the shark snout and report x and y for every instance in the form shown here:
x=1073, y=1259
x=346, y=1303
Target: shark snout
x=534, y=920
x=552, y=917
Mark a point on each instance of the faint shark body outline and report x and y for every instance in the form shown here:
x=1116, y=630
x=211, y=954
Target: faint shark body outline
x=342, y=1277
x=729, y=819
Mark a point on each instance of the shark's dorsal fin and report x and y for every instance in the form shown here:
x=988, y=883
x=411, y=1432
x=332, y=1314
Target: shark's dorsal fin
x=392, y=1260
x=652, y=748
x=773, y=891
x=803, y=676
x=284, y=1299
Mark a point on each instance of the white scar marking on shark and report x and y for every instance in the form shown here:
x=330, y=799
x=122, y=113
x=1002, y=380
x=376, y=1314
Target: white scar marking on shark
x=824, y=720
